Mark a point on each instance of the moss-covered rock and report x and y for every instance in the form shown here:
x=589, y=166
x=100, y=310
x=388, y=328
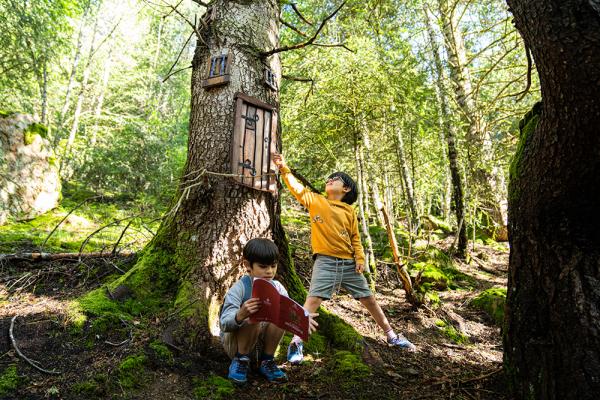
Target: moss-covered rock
x=492, y=302
x=9, y=380
x=214, y=388
x=162, y=352
x=451, y=332
x=132, y=372
x=348, y=369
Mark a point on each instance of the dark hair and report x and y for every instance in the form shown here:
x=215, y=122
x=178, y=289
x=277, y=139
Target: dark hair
x=262, y=251
x=352, y=195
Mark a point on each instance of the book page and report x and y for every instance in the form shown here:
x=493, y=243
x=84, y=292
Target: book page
x=269, y=296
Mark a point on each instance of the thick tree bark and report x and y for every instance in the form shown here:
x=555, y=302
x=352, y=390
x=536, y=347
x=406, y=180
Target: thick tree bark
x=450, y=135
x=196, y=255
x=552, y=337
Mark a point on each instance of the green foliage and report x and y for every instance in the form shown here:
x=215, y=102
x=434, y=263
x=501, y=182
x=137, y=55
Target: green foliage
x=9, y=380
x=214, y=388
x=492, y=301
x=131, y=371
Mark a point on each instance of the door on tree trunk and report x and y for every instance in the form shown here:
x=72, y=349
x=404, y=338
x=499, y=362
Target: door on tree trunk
x=255, y=137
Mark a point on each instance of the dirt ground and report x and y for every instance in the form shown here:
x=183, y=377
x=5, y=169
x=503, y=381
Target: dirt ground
x=39, y=293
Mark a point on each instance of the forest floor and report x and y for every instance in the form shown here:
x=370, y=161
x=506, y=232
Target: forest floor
x=459, y=347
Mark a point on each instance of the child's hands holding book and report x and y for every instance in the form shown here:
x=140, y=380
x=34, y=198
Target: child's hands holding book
x=248, y=308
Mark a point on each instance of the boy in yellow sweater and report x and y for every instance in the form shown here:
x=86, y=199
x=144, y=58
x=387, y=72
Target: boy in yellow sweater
x=337, y=250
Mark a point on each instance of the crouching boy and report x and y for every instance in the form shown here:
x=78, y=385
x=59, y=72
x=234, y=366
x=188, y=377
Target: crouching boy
x=242, y=339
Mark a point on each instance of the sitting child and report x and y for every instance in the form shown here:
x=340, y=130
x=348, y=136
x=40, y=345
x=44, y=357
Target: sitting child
x=337, y=250
x=239, y=337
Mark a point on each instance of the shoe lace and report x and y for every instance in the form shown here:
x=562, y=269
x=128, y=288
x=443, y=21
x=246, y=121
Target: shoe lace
x=241, y=367
x=270, y=366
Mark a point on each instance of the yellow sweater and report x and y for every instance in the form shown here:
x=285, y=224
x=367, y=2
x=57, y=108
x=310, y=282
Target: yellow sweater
x=333, y=224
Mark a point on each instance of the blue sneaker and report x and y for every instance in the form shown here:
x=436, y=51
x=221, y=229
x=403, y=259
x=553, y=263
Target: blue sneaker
x=272, y=372
x=238, y=370
x=402, y=342
x=294, y=353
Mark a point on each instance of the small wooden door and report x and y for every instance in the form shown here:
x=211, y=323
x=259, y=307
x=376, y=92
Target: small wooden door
x=254, y=138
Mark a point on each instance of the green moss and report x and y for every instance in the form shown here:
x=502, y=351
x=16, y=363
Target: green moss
x=132, y=372
x=214, y=387
x=348, y=369
x=29, y=138
x=9, y=380
x=451, y=332
x=526, y=128
x=87, y=388
x=431, y=276
x=38, y=129
x=162, y=352
x=439, y=224
x=317, y=344
x=492, y=302
x=341, y=335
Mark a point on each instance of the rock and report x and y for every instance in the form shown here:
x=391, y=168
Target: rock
x=29, y=176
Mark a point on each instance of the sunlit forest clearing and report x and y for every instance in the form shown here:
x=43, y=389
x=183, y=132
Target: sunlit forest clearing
x=139, y=144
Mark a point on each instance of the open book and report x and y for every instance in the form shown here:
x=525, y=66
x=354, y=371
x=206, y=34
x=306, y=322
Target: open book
x=278, y=309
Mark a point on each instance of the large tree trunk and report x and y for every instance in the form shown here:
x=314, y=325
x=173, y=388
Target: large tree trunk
x=450, y=135
x=196, y=254
x=552, y=338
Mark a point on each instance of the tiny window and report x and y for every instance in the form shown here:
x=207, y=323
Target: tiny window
x=270, y=79
x=218, y=71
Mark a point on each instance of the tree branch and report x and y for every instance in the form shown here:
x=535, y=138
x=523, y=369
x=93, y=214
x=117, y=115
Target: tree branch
x=292, y=27
x=529, y=68
x=299, y=14
x=296, y=79
x=308, y=42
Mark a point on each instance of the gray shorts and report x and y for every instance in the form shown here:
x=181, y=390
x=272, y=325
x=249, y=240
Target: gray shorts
x=329, y=274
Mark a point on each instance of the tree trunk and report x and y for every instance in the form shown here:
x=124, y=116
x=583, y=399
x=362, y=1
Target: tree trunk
x=370, y=262
x=76, y=58
x=450, y=135
x=368, y=172
x=196, y=254
x=481, y=182
x=552, y=337
x=100, y=99
x=406, y=178
x=44, y=90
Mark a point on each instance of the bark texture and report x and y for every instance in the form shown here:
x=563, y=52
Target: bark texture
x=552, y=336
x=204, y=239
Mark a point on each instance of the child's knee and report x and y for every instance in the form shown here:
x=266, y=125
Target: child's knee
x=368, y=300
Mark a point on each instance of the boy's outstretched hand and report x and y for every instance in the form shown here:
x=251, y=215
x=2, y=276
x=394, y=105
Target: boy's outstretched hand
x=278, y=160
x=312, y=324
x=248, y=308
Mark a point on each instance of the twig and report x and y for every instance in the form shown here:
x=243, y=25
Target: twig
x=308, y=42
x=114, y=250
x=179, y=70
x=65, y=217
x=30, y=362
x=334, y=45
x=296, y=79
x=529, y=68
x=299, y=14
x=87, y=239
x=292, y=27
x=178, y=56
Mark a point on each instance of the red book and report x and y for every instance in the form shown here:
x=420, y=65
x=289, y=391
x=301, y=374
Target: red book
x=279, y=310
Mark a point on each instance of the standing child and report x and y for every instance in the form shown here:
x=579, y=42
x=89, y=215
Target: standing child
x=239, y=337
x=337, y=250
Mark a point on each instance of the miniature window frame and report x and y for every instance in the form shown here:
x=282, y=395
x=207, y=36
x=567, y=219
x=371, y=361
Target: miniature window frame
x=255, y=122
x=218, y=70
x=270, y=79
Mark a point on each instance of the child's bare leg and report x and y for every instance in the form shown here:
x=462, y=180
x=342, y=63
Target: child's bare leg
x=273, y=336
x=376, y=312
x=312, y=303
x=246, y=337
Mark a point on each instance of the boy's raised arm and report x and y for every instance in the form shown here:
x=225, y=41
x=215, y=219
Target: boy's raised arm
x=301, y=193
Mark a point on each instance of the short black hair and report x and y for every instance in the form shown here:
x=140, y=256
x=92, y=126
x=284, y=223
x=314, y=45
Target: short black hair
x=351, y=196
x=261, y=250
